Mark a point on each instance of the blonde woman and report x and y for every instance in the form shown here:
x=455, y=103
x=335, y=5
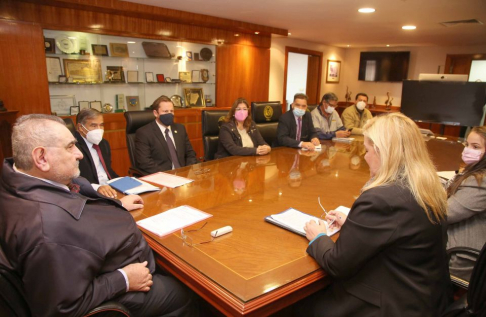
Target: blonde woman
x=390, y=258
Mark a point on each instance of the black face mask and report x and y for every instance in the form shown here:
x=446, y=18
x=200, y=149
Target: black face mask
x=167, y=119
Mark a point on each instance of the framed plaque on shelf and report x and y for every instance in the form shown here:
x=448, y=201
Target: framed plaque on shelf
x=149, y=77
x=83, y=70
x=99, y=50
x=132, y=102
x=194, y=97
x=95, y=105
x=132, y=76
x=61, y=104
x=83, y=105
x=115, y=74
x=119, y=50
x=185, y=77
x=160, y=78
x=196, y=76
x=74, y=110
x=53, y=69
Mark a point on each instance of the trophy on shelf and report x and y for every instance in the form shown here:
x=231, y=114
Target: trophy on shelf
x=388, y=102
x=347, y=97
x=373, y=105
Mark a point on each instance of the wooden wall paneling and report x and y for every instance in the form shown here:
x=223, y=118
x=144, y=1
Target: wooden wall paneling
x=23, y=79
x=313, y=79
x=7, y=119
x=241, y=71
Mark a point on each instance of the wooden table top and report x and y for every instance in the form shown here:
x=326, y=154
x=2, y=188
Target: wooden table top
x=259, y=263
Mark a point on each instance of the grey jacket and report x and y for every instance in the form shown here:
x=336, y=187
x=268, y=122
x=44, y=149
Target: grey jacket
x=466, y=217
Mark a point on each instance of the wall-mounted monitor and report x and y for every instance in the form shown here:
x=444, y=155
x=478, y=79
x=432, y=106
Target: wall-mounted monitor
x=446, y=102
x=383, y=66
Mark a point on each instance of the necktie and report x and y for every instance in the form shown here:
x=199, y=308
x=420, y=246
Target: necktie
x=299, y=128
x=98, y=150
x=74, y=188
x=172, y=149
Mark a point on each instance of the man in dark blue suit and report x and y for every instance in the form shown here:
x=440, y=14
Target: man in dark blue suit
x=162, y=144
x=295, y=128
x=96, y=163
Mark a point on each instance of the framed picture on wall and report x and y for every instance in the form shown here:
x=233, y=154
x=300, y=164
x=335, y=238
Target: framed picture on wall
x=194, y=97
x=333, y=71
x=119, y=49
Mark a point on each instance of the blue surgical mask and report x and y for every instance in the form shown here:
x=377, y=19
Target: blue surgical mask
x=298, y=112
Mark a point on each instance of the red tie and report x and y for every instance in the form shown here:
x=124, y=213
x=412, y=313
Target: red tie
x=97, y=148
x=74, y=188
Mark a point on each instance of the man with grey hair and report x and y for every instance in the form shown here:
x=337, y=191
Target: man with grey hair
x=96, y=163
x=72, y=247
x=326, y=119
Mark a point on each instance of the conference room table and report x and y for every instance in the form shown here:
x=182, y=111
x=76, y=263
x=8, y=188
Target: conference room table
x=260, y=268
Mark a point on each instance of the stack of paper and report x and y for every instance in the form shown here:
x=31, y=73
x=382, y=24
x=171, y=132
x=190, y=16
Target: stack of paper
x=167, y=180
x=343, y=140
x=172, y=220
x=294, y=220
x=131, y=185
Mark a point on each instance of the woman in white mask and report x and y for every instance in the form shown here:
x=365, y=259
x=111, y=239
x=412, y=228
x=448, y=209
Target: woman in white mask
x=466, y=214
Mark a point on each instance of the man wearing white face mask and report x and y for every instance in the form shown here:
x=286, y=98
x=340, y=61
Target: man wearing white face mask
x=326, y=119
x=355, y=117
x=96, y=163
x=295, y=127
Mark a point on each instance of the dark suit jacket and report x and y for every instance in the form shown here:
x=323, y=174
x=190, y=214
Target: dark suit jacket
x=389, y=260
x=152, y=153
x=287, y=130
x=230, y=141
x=86, y=165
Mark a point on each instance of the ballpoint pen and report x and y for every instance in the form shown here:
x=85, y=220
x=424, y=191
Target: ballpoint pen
x=319, y=201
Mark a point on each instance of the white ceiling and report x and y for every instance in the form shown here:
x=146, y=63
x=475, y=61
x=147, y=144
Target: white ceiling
x=338, y=23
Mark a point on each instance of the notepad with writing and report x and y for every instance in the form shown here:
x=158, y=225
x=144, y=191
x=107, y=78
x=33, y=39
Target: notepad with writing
x=172, y=220
x=294, y=220
x=166, y=179
x=131, y=186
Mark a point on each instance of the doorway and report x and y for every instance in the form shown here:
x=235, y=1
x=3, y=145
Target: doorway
x=303, y=69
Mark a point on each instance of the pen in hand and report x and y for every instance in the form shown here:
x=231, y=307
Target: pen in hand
x=324, y=209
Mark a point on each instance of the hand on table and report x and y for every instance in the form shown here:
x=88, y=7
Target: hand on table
x=308, y=145
x=315, y=141
x=343, y=134
x=107, y=190
x=312, y=229
x=132, y=202
x=263, y=150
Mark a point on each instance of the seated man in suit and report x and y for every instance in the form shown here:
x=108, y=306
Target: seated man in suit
x=355, y=117
x=96, y=163
x=295, y=127
x=72, y=247
x=162, y=144
x=326, y=119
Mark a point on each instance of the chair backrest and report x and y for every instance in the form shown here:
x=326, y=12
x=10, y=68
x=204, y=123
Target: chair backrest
x=476, y=295
x=70, y=125
x=135, y=120
x=266, y=116
x=12, y=302
x=210, y=131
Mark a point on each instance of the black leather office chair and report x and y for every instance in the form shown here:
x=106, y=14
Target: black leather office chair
x=266, y=115
x=135, y=120
x=210, y=131
x=13, y=304
x=70, y=125
x=473, y=303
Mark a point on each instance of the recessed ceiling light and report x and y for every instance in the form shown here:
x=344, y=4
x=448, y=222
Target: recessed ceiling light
x=388, y=45
x=257, y=33
x=347, y=45
x=72, y=37
x=366, y=10
x=237, y=34
x=131, y=42
x=290, y=34
x=409, y=27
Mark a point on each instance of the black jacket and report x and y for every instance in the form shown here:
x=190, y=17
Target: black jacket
x=152, y=153
x=389, y=260
x=287, y=130
x=86, y=165
x=230, y=141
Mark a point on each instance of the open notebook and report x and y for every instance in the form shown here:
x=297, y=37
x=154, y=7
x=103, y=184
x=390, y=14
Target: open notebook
x=294, y=220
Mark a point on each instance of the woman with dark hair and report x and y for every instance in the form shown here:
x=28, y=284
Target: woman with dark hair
x=466, y=201
x=238, y=134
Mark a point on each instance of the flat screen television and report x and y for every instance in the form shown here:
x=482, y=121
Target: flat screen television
x=383, y=66
x=458, y=103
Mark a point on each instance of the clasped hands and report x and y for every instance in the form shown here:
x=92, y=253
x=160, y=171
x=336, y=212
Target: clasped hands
x=313, y=229
x=263, y=150
x=311, y=146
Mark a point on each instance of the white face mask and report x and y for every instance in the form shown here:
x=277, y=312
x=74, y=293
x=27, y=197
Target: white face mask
x=329, y=109
x=361, y=105
x=94, y=136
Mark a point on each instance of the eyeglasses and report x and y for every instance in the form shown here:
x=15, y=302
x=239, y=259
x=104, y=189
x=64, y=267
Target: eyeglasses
x=324, y=209
x=188, y=240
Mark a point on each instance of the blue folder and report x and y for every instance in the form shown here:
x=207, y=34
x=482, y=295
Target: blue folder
x=125, y=183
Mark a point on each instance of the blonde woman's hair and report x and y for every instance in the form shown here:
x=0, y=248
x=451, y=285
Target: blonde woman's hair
x=405, y=159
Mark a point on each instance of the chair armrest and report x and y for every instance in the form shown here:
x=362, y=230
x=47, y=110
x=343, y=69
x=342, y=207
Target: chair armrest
x=457, y=308
x=111, y=306
x=133, y=172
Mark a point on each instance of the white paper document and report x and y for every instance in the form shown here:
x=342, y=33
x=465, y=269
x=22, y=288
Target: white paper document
x=172, y=220
x=295, y=220
x=167, y=180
